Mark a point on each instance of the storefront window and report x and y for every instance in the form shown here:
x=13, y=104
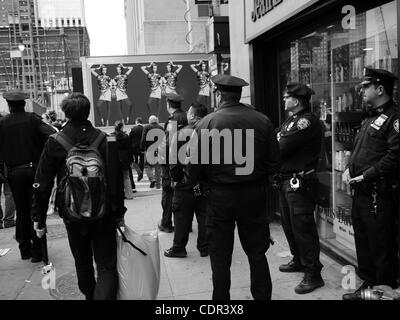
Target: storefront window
x=331, y=60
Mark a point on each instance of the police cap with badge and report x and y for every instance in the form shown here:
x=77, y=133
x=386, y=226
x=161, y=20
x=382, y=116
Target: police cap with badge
x=379, y=77
x=299, y=90
x=15, y=95
x=227, y=83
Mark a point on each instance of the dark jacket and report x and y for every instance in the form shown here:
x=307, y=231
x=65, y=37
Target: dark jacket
x=377, y=151
x=231, y=116
x=125, y=153
x=144, y=144
x=136, y=138
x=52, y=164
x=300, y=139
x=22, y=138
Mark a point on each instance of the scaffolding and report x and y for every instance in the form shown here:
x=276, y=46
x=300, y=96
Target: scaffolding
x=51, y=50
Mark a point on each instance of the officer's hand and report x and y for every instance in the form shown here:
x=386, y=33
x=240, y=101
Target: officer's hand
x=39, y=232
x=346, y=176
x=120, y=222
x=357, y=180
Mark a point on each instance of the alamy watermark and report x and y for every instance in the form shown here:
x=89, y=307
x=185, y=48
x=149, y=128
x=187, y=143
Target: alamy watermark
x=349, y=281
x=204, y=147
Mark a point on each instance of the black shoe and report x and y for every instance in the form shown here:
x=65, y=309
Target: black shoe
x=173, y=253
x=9, y=225
x=36, y=260
x=134, y=191
x=166, y=230
x=204, y=254
x=310, y=283
x=152, y=185
x=26, y=257
x=1, y=226
x=292, y=266
x=140, y=177
x=356, y=295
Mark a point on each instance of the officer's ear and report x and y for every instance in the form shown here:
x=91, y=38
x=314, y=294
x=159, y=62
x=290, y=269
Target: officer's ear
x=380, y=89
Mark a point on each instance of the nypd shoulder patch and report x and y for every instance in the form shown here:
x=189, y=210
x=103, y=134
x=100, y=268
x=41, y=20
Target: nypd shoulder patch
x=396, y=125
x=303, y=123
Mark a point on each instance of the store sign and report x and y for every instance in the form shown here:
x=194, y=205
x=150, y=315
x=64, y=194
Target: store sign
x=263, y=15
x=262, y=7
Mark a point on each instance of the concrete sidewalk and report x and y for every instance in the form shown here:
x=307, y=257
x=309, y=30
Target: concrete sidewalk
x=181, y=279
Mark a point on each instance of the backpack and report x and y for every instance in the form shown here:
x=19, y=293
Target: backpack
x=81, y=194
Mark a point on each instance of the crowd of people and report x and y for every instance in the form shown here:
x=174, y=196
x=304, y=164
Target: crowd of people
x=93, y=174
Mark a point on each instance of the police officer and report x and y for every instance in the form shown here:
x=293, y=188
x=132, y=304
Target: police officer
x=177, y=120
x=300, y=140
x=22, y=138
x=236, y=190
x=187, y=199
x=374, y=175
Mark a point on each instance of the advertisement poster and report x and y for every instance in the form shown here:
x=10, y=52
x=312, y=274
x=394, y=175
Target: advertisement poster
x=124, y=88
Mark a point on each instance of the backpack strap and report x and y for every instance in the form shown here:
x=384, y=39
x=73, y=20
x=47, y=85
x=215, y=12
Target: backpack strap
x=96, y=143
x=64, y=140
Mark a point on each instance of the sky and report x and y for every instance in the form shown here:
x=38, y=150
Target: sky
x=106, y=25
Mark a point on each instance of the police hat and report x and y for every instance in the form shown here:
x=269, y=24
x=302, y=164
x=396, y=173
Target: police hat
x=227, y=83
x=299, y=90
x=173, y=97
x=15, y=95
x=378, y=76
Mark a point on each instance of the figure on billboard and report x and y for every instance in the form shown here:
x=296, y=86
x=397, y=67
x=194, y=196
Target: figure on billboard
x=155, y=83
x=171, y=78
x=105, y=86
x=204, y=82
x=121, y=86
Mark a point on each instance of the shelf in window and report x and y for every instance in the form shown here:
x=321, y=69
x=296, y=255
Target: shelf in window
x=350, y=116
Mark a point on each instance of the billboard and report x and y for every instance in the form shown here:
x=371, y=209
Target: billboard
x=127, y=87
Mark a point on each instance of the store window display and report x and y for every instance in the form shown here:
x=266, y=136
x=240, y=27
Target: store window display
x=331, y=61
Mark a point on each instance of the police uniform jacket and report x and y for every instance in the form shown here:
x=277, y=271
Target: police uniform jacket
x=22, y=138
x=376, y=152
x=266, y=156
x=300, y=139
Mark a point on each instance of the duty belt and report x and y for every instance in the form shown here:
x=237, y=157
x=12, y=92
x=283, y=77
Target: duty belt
x=23, y=166
x=287, y=176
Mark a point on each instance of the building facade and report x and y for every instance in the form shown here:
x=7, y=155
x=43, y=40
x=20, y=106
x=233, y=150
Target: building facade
x=53, y=37
x=325, y=45
x=165, y=27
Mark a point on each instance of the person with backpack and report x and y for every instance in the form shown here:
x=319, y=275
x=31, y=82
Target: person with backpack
x=89, y=198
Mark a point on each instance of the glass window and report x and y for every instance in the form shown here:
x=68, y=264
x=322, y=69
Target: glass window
x=331, y=60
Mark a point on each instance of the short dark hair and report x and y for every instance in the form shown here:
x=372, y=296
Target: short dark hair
x=389, y=87
x=139, y=120
x=199, y=110
x=304, y=101
x=175, y=105
x=76, y=107
x=16, y=105
x=118, y=126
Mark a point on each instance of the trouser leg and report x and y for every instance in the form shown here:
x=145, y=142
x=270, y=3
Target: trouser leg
x=105, y=256
x=167, y=196
x=201, y=213
x=183, y=210
x=81, y=249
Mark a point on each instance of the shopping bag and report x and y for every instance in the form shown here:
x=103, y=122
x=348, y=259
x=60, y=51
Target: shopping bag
x=138, y=265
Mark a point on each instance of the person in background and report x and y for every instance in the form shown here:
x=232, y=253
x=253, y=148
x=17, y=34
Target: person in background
x=125, y=156
x=153, y=171
x=22, y=139
x=187, y=201
x=136, y=135
x=177, y=119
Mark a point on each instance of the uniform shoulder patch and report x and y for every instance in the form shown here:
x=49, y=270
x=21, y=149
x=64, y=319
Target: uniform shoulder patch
x=303, y=123
x=396, y=125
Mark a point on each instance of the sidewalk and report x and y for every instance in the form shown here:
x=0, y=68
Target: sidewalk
x=181, y=279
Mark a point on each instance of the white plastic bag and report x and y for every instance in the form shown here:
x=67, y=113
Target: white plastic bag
x=139, y=275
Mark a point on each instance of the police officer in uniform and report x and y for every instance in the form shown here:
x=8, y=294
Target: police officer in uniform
x=177, y=120
x=300, y=140
x=22, y=138
x=374, y=175
x=187, y=199
x=236, y=198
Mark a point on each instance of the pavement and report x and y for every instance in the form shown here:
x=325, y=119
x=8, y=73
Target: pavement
x=181, y=279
